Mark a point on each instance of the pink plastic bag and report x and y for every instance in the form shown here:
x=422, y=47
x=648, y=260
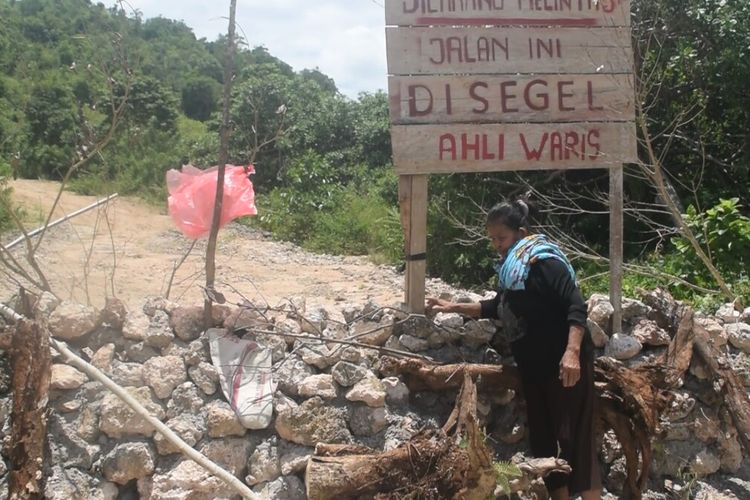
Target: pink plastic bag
x=192, y=193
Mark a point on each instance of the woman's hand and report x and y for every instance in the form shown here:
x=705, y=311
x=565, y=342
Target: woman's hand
x=438, y=305
x=570, y=367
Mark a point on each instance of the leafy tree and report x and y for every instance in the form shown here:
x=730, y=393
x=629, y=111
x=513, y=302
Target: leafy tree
x=200, y=97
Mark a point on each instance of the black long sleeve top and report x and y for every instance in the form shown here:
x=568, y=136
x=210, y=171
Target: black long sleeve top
x=544, y=311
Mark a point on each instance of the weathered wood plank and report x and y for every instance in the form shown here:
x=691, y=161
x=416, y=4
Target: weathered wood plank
x=616, y=201
x=413, y=201
x=508, y=12
x=511, y=99
x=480, y=50
x=425, y=149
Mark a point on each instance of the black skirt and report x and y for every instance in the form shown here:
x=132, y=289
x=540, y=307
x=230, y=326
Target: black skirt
x=561, y=424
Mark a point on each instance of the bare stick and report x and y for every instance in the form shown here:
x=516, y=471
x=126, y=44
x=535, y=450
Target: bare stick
x=72, y=359
x=177, y=266
x=223, y=158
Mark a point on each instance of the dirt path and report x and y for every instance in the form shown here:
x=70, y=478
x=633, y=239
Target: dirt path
x=146, y=246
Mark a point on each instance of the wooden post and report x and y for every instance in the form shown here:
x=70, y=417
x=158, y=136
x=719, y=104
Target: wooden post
x=615, y=245
x=413, y=201
x=30, y=365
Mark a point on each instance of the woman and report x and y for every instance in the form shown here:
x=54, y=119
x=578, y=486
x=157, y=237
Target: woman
x=544, y=317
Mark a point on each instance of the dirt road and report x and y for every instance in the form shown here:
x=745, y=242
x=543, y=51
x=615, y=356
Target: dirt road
x=140, y=251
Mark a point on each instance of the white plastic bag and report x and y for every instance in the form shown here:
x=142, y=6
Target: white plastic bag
x=246, y=378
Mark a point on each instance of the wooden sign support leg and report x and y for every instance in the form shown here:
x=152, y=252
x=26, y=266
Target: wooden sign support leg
x=616, y=245
x=413, y=201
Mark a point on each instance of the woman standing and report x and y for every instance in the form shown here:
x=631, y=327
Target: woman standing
x=544, y=318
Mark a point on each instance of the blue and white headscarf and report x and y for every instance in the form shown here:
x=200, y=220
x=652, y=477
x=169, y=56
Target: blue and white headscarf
x=514, y=269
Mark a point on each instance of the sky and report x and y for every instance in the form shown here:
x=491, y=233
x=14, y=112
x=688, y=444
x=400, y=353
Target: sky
x=345, y=39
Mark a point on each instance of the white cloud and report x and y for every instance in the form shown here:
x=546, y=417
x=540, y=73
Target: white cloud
x=344, y=39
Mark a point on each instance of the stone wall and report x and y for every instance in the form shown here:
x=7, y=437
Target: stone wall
x=99, y=449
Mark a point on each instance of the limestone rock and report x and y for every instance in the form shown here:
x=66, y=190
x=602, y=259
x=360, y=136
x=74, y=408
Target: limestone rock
x=600, y=310
x=293, y=457
x=622, y=347
x=186, y=398
x=289, y=327
x=716, y=332
x=739, y=336
x=318, y=385
x=230, y=453
x=287, y=487
x=114, y=313
x=632, y=309
x=478, y=333
x=187, y=322
x=205, y=376
x=396, y=392
x=197, y=352
x=264, y=464
x=103, y=357
x=117, y=419
x=314, y=354
x=128, y=374
x=65, y=377
x=705, y=463
x=449, y=320
x=135, y=326
x=647, y=332
x=366, y=421
x=74, y=484
x=191, y=428
x=139, y=352
x=163, y=374
x=71, y=320
x=369, y=390
x=128, y=461
x=351, y=312
x=413, y=344
x=222, y=421
x=416, y=326
x=728, y=313
x=159, y=334
x=289, y=372
x=372, y=333
x=598, y=335
x=188, y=481
x=347, y=374
x=68, y=448
x=245, y=318
x=278, y=345
x=314, y=321
x=313, y=422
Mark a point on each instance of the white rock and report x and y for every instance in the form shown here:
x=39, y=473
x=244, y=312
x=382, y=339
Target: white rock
x=159, y=333
x=728, y=313
x=632, y=308
x=622, y=347
x=163, y=374
x=600, y=310
x=716, y=332
x=315, y=354
x=318, y=385
x=127, y=374
x=287, y=487
x=205, y=376
x=103, y=357
x=598, y=335
x=128, y=461
x=290, y=327
x=350, y=312
x=66, y=377
x=188, y=481
x=739, y=336
x=222, y=421
x=230, y=453
x=396, y=392
x=136, y=325
x=264, y=464
x=372, y=333
x=117, y=419
x=414, y=344
x=745, y=316
x=449, y=320
x=705, y=464
x=313, y=422
x=314, y=321
x=347, y=374
x=289, y=372
x=191, y=428
x=647, y=332
x=369, y=390
x=70, y=320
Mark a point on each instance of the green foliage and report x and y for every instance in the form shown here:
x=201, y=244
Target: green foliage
x=505, y=472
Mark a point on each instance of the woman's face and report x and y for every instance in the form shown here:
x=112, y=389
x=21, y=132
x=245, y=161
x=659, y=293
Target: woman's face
x=503, y=238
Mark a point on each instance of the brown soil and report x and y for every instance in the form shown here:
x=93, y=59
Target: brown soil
x=144, y=246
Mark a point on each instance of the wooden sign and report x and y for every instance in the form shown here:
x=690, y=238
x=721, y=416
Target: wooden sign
x=420, y=149
x=581, y=13
x=481, y=50
x=511, y=99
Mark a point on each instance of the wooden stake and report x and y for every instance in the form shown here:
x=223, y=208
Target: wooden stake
x=615, y=245
x=413, y=202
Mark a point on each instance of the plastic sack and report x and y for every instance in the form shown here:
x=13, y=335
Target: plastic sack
x=245, y=375
x=192, y=193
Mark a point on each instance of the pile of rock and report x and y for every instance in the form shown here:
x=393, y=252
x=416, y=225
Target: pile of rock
x=327, y=392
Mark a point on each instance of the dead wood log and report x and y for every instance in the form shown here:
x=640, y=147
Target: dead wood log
x=726, y=382
x=419, y=375
x=680, y=350
x=31, y=365
x=432, y=465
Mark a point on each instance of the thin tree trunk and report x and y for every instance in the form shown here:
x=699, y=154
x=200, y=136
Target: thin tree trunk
x=30, y=365
x=223, y=159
